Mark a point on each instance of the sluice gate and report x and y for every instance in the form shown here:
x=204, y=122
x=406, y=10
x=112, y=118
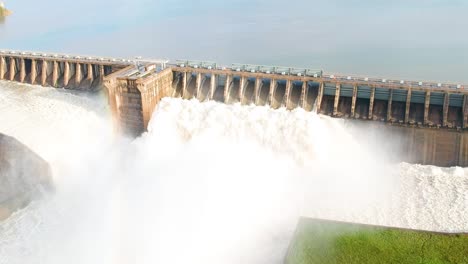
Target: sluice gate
x=430, y=120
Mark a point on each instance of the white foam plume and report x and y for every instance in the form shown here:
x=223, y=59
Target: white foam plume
x=209, y=183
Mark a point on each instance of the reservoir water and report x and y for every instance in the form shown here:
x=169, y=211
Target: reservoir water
x=420, y=40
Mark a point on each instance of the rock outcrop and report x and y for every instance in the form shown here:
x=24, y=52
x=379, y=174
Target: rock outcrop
x=24, y=176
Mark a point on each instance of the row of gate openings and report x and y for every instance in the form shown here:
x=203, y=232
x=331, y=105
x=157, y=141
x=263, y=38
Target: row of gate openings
x=381, y=97
x=50, y=69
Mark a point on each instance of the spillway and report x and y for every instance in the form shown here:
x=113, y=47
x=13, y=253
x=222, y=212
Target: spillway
x=208, y=182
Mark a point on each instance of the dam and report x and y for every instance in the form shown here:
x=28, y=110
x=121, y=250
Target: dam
x=429, y=118
x=140, y=200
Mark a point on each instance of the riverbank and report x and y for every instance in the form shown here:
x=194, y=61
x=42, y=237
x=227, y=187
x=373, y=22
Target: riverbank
x=321, y=241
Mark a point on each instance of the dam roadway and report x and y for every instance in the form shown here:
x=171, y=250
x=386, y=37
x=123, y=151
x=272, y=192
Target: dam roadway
x=429, y=119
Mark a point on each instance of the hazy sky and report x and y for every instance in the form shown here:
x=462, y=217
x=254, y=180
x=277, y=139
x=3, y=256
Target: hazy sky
x=424, y=39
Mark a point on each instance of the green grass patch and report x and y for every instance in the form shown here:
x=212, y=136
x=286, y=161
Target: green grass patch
x=322, y=241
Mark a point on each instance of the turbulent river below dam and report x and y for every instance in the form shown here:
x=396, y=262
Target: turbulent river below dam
x=208, y=183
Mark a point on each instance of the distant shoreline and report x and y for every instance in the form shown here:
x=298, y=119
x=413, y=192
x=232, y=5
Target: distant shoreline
x=4, y=12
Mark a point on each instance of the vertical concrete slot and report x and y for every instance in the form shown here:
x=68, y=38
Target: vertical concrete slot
x=381, y=98
x=363, y=102
x=191, y=88
x=399, y=102
x=435, y=118
x=233, y=91
x=96, y=78
x=6, y=72
x=328, y=99
x=311, y=96
x=279, y=95
x=417, y=108
x=295, y=95
x=177, y=84
x=61, y=79
x=345, y=101
x=2, y=68
x=17, y=69
x=455, y=111
x=264, y=92
x=204, y=89
x=249, y=92
x=12, y=70
x=220, y=89
x=72, y=75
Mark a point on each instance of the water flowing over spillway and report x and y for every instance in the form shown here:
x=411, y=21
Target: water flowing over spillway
x=209, y=183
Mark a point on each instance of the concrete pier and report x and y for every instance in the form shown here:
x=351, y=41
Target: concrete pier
x=3, y=68
x=198, y=84
x=133, y=97
x=44, y=71
x=12, y=69
x=213, y=85
x=337, y=99
x=227, y=88
x=55, y=75
x=22, y=76
x=33, y=74
x=66, y=74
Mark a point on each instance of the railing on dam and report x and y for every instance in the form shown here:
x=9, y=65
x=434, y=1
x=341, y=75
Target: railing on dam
x=401, y=83
x=66, y=57
x=251, y=68
x=317, y=73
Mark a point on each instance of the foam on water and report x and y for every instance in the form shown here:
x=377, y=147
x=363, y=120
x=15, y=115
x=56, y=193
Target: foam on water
x=209, y=183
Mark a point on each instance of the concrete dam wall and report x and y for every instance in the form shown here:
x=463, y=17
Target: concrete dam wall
x=427, y=125
x=426, y=121
x=417, y=145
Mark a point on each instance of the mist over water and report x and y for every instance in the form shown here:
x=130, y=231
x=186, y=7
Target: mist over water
x=208, y=183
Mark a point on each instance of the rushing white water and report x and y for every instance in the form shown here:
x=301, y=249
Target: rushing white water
x=209, y=183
